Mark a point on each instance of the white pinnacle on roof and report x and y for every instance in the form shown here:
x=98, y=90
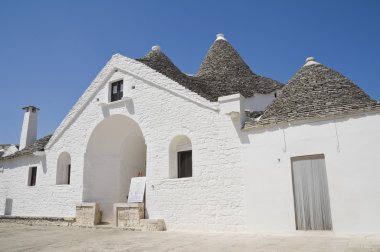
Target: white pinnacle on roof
x=156, y=48
x=220, y=36
x=311, y=61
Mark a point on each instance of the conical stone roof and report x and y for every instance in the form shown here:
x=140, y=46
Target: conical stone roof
x=158, y=61
x=161, y=63
x=316, y=91
x=223, y=72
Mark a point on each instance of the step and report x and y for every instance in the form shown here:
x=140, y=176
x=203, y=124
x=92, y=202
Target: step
x=152, y=225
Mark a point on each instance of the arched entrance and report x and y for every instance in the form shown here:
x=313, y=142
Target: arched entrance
x=115, y=153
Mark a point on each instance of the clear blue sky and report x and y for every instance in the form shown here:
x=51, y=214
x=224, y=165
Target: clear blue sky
x=50, y=51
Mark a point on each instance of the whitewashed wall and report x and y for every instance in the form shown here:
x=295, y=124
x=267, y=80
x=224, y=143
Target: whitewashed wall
x=259, y=102
x=351, y=148
x=44, y=199
x=211, y=200
x=241, y=180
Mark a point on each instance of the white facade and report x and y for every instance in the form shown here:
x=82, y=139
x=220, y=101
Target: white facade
x=241, y=179
x=259, y=101
x=351, y=150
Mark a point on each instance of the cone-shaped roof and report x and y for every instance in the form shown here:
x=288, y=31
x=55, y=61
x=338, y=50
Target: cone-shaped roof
x=158, y=61
x=222, y=59
x=316, y=91
x=223, y=72
x=161, y=63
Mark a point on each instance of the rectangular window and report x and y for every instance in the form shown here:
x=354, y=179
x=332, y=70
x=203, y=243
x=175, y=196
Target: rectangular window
x=32, y=176
x=116, y=91
x=68, y=173
x=185, y=164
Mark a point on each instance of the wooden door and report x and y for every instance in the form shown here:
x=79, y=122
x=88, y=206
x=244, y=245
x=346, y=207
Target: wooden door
x=311, y=195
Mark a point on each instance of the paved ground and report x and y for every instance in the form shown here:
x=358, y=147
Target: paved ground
x=15, y=237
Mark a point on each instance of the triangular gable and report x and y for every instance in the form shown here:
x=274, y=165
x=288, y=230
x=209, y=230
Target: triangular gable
x=137, y=70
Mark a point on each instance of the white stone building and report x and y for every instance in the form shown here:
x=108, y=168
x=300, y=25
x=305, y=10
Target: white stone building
x=222, y=150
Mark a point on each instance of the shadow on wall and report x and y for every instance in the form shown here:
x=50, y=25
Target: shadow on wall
x=43, y=164
x=115, y=153
x=129, y=105
x=243, y=136
x=8, y=206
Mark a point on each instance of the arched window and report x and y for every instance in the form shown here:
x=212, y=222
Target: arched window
x=180, y=158
x=63, y=169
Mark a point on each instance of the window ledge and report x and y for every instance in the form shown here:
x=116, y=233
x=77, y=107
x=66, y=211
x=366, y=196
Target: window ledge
x=182, y=179
x=122, y=100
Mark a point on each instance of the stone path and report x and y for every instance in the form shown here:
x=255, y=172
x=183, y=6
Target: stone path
x=16, y=237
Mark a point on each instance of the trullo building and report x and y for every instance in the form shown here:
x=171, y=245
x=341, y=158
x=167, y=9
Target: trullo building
x=224, y=149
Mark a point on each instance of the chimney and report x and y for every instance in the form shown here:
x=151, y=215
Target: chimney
x=29, y=127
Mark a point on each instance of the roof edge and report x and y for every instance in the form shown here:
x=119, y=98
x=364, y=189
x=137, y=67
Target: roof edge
x=30, y=149
x=357, y=112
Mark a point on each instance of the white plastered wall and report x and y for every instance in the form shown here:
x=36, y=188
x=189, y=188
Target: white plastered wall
x=211, y=200
x=44, y=199
x=351, y=148
x=259, y=102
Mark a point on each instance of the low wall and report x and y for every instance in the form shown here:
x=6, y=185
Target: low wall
x=37, y=221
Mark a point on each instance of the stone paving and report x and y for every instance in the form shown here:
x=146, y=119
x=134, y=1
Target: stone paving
x=16, y=237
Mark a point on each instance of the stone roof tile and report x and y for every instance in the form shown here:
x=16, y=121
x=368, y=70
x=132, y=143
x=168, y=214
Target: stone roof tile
x=223, y=72
x=315, y=91
x=38, y=145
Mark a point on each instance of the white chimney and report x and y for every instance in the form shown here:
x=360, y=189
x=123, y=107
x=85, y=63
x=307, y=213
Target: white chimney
x=29, y=127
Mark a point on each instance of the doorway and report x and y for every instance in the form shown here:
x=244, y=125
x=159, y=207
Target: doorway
x=115, y=153
x=311, y=195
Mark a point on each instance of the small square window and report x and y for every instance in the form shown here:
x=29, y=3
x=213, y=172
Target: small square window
x=32, y=176
x=116, y=91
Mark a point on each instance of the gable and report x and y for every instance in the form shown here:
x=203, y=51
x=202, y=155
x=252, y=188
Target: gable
x=140, y=71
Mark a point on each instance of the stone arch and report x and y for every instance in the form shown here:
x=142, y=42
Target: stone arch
x=115, y=152
x=63, y=169
x=178, y=144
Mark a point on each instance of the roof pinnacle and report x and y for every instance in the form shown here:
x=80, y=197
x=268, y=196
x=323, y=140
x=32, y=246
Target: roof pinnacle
x=311, y=61
x=220, y=36
x=156, y=48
